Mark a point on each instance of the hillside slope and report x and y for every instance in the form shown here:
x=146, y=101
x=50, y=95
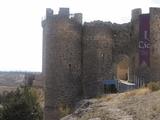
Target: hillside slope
x=135, y=105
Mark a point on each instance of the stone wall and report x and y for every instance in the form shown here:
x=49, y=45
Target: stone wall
x=97, y=56
x=121, y=39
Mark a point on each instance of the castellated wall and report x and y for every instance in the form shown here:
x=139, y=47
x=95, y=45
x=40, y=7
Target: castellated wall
x=155, y=43
x=97, y=56
x=61, y=62
x=77, y=58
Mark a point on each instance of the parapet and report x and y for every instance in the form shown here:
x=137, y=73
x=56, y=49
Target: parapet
x=154, y=10
x=78, y=17
x=63, y=13
x=49, y=12
x=98, y=23
x=135, y=13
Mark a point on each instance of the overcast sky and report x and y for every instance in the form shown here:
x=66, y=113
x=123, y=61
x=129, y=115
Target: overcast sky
x=21, y=32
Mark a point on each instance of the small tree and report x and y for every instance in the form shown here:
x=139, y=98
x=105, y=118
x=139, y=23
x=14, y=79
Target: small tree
x=154, y=85
x=21, y=104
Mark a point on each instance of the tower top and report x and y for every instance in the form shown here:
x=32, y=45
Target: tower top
x=49, y=12
x=135, y=13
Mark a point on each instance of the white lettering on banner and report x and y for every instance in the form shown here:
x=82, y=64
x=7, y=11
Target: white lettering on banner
x=143, y=44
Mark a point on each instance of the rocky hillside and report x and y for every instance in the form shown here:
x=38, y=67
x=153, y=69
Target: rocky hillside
x=135, y=105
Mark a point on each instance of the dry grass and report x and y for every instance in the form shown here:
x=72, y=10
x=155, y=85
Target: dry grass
x=144, y=107
x=137, y=92
x=107, y=98
x=126, y=95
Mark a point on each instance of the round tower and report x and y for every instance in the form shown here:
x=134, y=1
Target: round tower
x=61, y=62
x=134, y=36
x=97, y=57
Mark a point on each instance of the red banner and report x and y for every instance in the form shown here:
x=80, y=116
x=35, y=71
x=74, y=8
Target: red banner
x=144, y=39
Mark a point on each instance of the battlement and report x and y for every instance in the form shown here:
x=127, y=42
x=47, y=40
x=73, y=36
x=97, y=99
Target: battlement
x=64, y=13
x=97, y=22
x=154, y=10
x=49, y=12
x=135, y=13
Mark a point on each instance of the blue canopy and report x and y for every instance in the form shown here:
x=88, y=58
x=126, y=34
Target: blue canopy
x=110, y=82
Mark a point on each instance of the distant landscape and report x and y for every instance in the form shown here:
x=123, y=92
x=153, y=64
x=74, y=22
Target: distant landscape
x=11, y=80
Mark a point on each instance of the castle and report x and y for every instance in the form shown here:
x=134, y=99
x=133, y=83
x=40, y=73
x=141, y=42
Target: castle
x=78, y=56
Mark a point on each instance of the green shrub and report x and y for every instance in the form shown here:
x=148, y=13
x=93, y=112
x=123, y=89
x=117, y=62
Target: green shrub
x=21, y=104
x=1, y=112
x=154, y=86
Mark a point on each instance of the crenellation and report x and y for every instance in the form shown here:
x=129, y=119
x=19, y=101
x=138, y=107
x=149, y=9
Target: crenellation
x=135, y=13
x=64, y=12
x=78, y=17
x=49, y=12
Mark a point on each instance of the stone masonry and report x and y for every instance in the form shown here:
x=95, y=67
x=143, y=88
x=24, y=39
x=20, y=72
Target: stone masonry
x=78, y=56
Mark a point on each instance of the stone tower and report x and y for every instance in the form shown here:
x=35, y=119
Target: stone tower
x=155, y=43
x=97, y=57
x=61, y=61
x=146, y=40
x=134, y=36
